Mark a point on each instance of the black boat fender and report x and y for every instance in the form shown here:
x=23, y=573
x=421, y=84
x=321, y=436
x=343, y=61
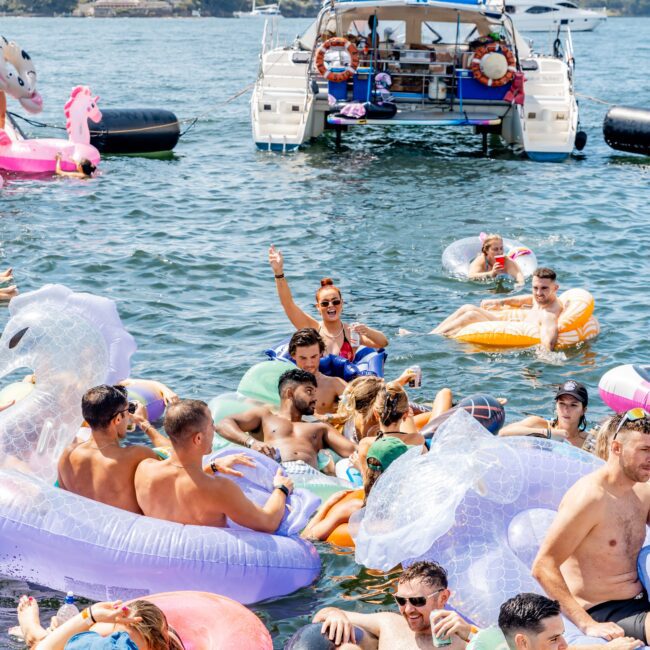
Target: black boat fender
x=135, y=130
x=628, y=129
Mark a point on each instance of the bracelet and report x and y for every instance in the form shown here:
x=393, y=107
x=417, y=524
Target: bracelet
x=250, y=441
x=282, y=488
x=279, y=276
x=548, y=432
x=85, y=615
x=473, y=631
x=214, y=468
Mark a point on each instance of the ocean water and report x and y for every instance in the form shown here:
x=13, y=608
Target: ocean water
x=181, y=243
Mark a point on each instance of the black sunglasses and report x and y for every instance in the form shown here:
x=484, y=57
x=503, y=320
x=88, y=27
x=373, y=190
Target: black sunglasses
x=326, y=303
x=132, y=406
x=416, y=601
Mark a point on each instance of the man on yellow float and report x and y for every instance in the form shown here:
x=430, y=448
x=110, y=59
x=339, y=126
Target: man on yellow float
x=543, y=307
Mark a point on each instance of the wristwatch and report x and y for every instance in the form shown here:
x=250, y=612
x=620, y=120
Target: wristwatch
x=250, y=441
x=282, y=488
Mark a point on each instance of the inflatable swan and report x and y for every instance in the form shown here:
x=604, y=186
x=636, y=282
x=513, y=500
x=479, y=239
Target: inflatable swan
x=71, y=342
x=478, y=505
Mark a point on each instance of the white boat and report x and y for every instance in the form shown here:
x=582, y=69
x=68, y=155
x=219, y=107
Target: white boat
x=267, y=11
x=451, y=63
x=546, y=15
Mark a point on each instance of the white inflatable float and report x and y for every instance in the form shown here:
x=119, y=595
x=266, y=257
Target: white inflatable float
x=457, y=257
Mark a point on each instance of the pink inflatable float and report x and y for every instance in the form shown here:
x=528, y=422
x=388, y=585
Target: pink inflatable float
x=626, y=387
x=208, y=622
x=39, y=155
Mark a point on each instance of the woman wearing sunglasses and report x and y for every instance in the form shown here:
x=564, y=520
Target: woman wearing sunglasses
x=339, y=338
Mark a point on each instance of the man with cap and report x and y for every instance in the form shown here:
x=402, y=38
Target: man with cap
x=569, y=423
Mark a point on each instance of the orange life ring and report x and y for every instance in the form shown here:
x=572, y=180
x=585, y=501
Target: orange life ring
x=327, y=73
x=475, y=66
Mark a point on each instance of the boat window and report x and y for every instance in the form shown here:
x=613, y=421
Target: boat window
x=511, y=9
x=540, y=10
x=570, y=5
x=436, y=32
x=389, y=30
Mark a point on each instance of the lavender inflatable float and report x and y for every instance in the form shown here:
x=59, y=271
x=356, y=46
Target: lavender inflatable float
x=64, y=541
x=478, y=505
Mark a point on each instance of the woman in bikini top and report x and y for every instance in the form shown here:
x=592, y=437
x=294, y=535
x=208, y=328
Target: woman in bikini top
x=329, y=303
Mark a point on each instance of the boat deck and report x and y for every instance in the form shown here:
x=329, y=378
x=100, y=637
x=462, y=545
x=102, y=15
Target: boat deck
x=421, y=118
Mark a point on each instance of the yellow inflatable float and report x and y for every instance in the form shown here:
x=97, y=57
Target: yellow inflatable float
x=576, y=324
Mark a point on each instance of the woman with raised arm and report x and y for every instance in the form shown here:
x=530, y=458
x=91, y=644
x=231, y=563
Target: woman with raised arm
x=491, y=262
x=339, y=337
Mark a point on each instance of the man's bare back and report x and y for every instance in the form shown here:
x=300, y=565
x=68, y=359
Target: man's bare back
x=166, y=491
x=103, y=474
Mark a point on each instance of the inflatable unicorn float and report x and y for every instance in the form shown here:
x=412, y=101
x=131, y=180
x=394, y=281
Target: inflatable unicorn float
x=39, y=155
x=73, y=341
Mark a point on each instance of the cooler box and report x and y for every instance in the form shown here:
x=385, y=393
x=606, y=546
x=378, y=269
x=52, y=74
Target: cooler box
x=470, y=88
x=338, y=89
x=360, y=81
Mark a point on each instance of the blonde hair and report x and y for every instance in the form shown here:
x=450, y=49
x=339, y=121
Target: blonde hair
x=391, y=403
x=153, y=627
x=488, y=241
x=357, y=401
x=603, y=438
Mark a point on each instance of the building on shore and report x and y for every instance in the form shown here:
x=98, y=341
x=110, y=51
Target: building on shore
x=114, y=8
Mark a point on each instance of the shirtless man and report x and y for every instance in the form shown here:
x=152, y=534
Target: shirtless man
x=296, y=440
x=178, y=489
x=307, y=347
x=533, y=622
x=588, y=560
x=421, y=590
x=544, y=306
x=100, y=468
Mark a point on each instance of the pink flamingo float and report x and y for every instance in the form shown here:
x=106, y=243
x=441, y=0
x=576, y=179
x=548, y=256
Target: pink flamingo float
x=39, y=155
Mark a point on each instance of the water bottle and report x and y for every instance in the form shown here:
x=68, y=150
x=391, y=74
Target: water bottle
x=67, y=610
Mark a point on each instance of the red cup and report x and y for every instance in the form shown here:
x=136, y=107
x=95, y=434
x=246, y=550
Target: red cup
x=500, y=259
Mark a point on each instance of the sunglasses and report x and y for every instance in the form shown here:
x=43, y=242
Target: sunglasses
x=631, y=416
x=416, y=601
x=130, y=408
x=326, y=303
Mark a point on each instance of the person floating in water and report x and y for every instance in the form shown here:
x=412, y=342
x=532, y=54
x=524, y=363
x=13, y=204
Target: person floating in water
x=544, y=309
x=85, y=169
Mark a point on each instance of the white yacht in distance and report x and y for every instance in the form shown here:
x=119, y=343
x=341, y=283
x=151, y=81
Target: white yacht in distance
x=546, y=15
x=424, y=64
x=267, y=11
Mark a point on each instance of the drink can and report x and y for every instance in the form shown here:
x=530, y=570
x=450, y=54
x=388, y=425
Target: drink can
x=355, y=338
x=416, y=382
x=438, y=641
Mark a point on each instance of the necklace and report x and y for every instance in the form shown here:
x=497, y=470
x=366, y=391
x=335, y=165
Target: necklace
x=330, y=336
x=393, y=432
x=177, y=465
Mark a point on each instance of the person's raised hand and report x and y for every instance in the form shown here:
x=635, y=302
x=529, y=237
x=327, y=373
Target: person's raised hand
x=280, y=479
x=140, y=414
x=446, y=622
x=497, y=269
x=276, y=260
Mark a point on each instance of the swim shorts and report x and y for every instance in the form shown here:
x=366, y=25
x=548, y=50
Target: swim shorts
x=629, y=614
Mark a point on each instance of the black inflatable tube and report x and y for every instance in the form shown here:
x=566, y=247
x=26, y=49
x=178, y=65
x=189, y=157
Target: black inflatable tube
x=309, y=637
x=135, y=130
x=628, y=129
